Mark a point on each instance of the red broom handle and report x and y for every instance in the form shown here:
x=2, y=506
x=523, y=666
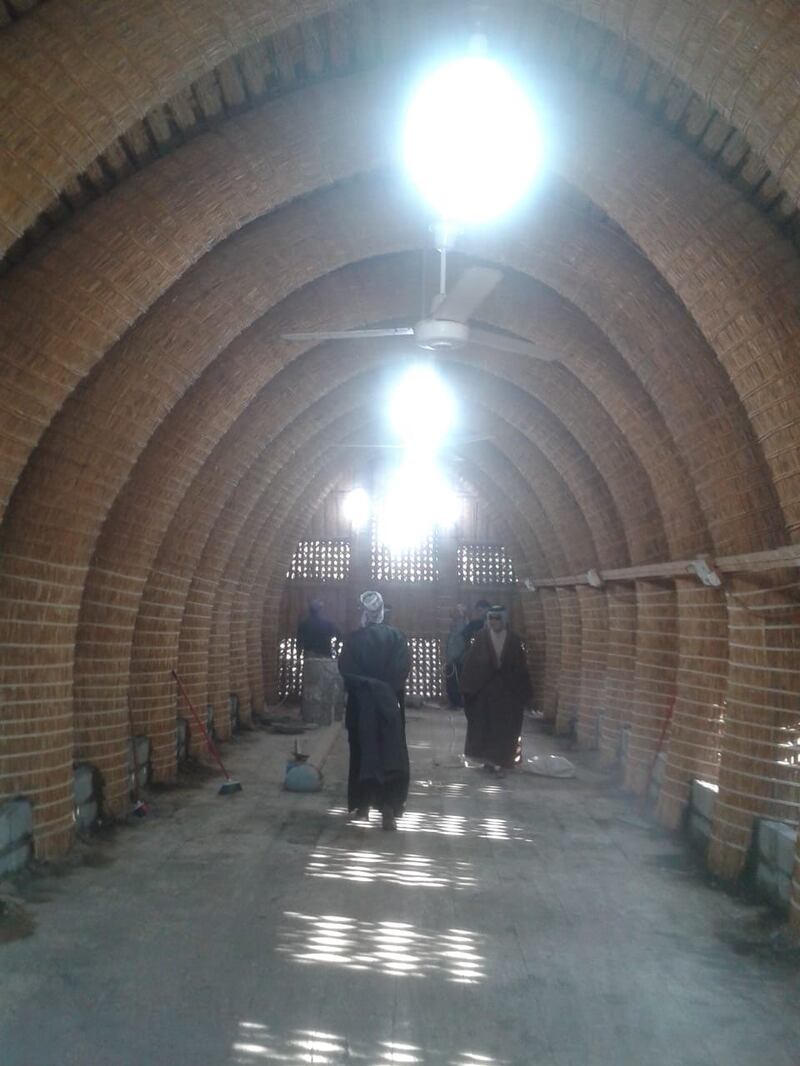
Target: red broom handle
x=664, y=727
x=209, y=742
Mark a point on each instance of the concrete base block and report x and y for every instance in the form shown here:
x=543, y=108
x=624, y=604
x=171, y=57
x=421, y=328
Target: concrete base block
x=703, y=798
x=767, y=839
x=699, y=830
x=86, y=815
x=323, y=691
x=14, y=859
x=182, y=739
x=592, y=738
x=784, y=887
x=774, y=885
x=142, y=750
x=775, y=843
x=16, y=821
x=139, y=761
x=785, y=850
x=16, y=831
x=659, y=769
x=83, y=783
x=766, y=880
x=598, y=729
x=624, y=743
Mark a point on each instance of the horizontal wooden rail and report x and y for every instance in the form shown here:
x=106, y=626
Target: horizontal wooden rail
x=774, y=559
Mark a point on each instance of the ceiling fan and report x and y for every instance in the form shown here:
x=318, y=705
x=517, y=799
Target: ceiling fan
x=447, y=327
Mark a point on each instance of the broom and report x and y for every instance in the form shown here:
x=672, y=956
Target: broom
x=228, y=785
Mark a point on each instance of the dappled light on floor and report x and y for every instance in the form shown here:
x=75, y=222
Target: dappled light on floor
x=448, y=788
x=458, y=825
x=415, y=871
x=257, y=1043
x=452, y=825
x=437, y=788
x=393, y=948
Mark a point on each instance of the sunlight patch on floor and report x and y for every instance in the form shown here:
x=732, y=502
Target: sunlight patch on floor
x=256, y=1043
x=453, y=825
x=413, y=871
x=392, y=948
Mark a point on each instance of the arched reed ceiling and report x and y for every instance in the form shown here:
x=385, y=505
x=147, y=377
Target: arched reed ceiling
x=163, y=353
x=672, y=158
x=722, y=73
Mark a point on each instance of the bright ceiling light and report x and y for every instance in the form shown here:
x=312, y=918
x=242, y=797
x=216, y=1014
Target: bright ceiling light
x=356, y=508
x=421, y=409
x=417, y=501
x=473, y=142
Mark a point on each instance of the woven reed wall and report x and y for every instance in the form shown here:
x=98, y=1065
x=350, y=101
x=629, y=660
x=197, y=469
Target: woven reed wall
x=654, y=676
x=593, y=611
x=569, y=677
x=761, y=714
x=161, y=450
x=700, y=694
x=616, y=691
x=552, y=655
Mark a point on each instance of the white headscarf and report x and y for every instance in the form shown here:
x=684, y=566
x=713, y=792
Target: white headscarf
x=372, y=608
x=499, y=609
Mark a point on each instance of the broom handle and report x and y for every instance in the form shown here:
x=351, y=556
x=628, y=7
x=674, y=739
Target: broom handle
x=209, y=742
x=664, y=728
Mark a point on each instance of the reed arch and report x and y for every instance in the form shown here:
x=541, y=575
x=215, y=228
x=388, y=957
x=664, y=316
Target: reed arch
x=160, y=229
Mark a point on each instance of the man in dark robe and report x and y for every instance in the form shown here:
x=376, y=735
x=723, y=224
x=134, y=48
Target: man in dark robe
x=496, y=687
x=315, y=634
x=375, y=661
x=455, y=649
x=476, y=623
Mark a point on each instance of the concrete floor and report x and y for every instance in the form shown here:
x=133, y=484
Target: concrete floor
x=514, y=922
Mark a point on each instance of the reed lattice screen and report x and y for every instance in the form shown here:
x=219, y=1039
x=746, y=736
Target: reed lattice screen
x=484, y=564
x=425, y=679
x=320, y=560
x=414, y=565
x=290, y=669
x=290, y=666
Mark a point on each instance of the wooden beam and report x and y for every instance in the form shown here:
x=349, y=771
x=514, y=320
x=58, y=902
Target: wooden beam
x=774, y=559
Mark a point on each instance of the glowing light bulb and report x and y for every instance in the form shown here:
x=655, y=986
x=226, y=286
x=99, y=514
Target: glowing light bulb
x=421, y=409
x=472, y=140
x=356, y=508
x=417, y=501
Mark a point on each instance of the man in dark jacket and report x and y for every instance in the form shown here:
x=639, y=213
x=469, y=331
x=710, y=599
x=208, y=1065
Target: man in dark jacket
x=476, y=623
x=496, y=687
x=375, y=662
x=455, y=649
x=315, y=634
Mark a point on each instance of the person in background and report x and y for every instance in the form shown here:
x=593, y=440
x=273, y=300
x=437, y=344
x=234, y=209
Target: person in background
x=476, y=624
x=455, y=650
x=375, y=661
x=401, y=695
x=496, y=686
x=315, y=634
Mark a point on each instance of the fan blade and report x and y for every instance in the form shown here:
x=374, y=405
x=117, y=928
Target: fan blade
x=349, y=334
x=468, y=294
x=503, y=343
